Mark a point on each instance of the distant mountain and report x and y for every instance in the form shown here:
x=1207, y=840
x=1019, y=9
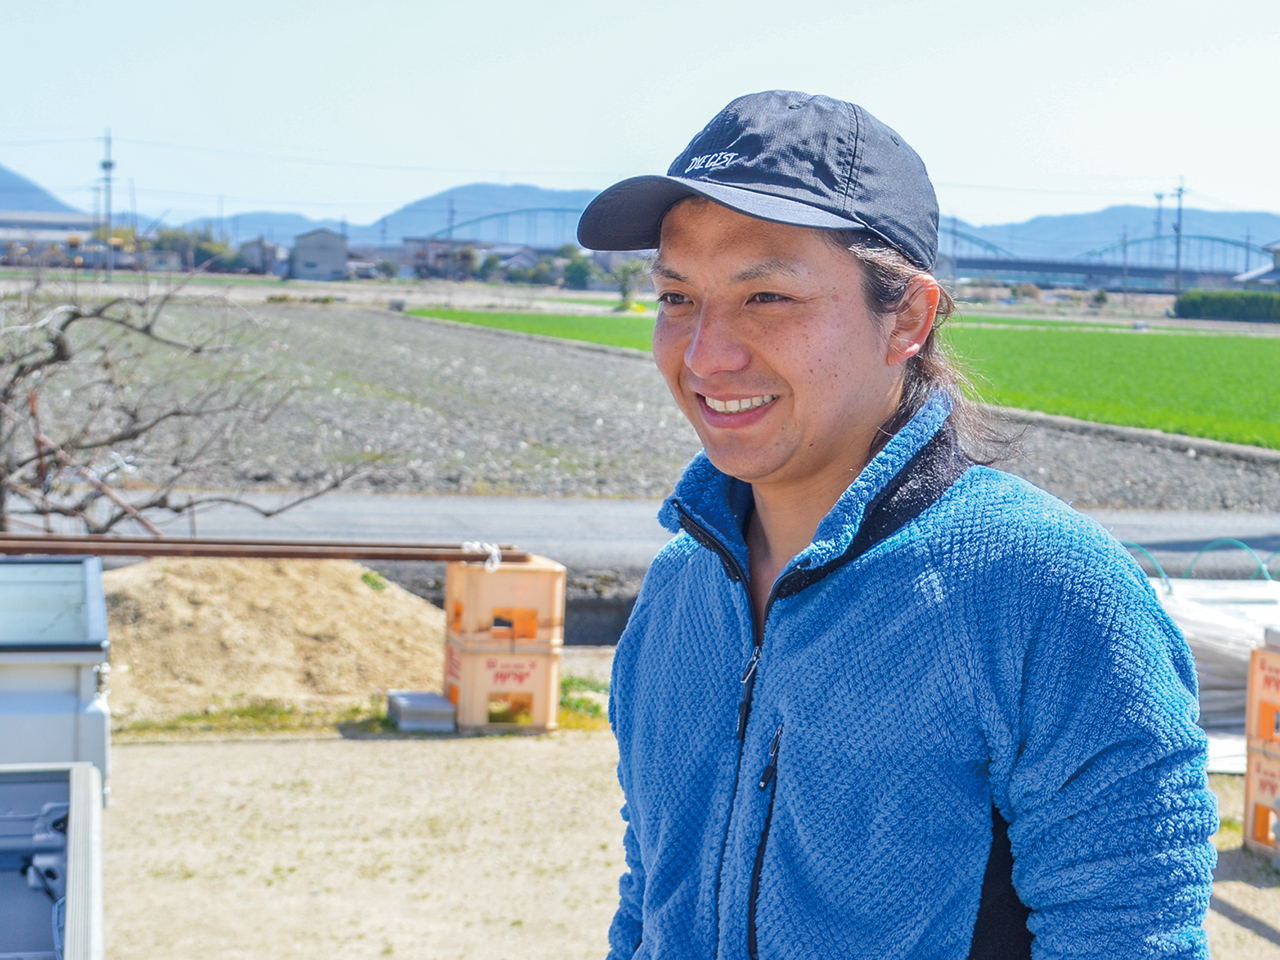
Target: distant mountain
x=1069, y=235
x=476, y=200
x=19, y=193
x=275, y=227
x=1048, y=237
x=431, y=214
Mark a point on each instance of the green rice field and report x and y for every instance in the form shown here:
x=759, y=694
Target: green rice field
x=1202, y=384
x=1219, y=386
x=614, y=330
x=602, y=301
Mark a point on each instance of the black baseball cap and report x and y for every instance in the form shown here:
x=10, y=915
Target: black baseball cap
x=810, y=161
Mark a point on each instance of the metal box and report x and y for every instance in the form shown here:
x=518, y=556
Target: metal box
x=420, y=712
x=53, y=658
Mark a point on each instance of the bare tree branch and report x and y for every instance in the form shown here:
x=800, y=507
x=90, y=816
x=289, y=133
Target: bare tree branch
x=127, y=398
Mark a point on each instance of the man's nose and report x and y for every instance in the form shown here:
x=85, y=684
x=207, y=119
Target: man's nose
x=717, y=344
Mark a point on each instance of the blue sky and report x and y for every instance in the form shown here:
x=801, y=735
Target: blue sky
x=338, y=109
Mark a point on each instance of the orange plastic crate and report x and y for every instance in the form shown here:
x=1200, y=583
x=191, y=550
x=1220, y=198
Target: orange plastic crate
x=497, y=690
x=517, y=602
x=1262, y=803
x=1262, y=718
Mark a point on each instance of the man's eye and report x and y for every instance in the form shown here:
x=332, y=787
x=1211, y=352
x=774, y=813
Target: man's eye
x=768, y=298
x=672, y=299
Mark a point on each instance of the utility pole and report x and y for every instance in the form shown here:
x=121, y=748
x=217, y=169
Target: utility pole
x=1248, y=238
x=384, y=231
x=222, y=234
x=954, y=237
x=1159, y=234
x=107, y=166
x=450, y=274
x=1177, y=229
x=1124, y=246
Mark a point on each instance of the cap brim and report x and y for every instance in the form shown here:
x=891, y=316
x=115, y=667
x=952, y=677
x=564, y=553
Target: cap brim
x=628, y=215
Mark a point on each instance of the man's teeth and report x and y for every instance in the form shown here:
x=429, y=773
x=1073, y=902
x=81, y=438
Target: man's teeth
x=735, y=406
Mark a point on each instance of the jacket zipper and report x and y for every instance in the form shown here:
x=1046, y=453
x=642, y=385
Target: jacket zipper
x=767, y=777
x=738, y=575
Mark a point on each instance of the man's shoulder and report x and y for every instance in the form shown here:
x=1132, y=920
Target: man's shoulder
x=994, y=525
x=994, y=503
x=996, y=519
x=681, y=561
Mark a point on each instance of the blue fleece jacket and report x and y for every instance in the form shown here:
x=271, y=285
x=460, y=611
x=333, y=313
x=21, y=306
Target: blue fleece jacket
x=829, y=792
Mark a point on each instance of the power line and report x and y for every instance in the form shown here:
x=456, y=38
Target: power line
x=1046, y=190
x=322, y=162
x=46, y=143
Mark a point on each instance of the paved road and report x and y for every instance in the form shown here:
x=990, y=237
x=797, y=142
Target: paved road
x=582, y=533
x=588, y=534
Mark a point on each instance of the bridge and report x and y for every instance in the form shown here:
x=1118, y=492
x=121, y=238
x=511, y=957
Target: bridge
x=542, y=226
x=1157, y=264
x=1137, y=278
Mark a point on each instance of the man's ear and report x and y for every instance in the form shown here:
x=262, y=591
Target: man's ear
x=913, y=320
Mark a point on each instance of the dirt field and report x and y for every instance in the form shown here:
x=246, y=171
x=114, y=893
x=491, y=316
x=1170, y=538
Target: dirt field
x=479, y=848
x=316, y=845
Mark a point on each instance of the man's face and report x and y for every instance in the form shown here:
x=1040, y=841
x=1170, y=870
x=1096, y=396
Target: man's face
x=765, y=339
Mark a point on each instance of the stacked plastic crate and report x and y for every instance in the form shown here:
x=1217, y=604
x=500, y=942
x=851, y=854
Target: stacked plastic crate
x=1262, y=779
x=503, y=643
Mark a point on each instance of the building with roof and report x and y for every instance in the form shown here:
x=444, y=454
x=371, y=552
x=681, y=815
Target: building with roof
x=259, y=255
x=319, y=255
x=43, y=228
x=1268, y=275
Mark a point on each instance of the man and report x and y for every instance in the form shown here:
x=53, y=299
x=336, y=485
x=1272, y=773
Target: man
x=874, y=700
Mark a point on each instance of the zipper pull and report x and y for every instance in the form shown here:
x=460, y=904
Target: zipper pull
x=772, y=768
x=744, y=705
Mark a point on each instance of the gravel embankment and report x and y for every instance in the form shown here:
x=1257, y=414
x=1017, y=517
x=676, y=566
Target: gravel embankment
x=431, y=406
x=443, y=408
x=1096, y=471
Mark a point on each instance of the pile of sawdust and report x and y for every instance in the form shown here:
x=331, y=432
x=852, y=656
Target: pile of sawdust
x=188, y=635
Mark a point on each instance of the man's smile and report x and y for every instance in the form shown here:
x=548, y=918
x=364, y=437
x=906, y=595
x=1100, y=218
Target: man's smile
x=741, y=405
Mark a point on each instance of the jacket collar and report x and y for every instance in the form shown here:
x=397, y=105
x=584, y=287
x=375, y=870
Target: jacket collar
x=720, y=504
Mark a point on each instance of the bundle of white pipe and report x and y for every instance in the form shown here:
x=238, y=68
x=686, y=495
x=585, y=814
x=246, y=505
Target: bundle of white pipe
x=1223, y=621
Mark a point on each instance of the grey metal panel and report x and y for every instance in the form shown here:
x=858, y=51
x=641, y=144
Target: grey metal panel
x=95, y=601
x=84, y=939
x=25, y=915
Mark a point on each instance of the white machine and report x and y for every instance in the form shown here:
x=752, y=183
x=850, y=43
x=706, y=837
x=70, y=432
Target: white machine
x=53, y=662
x=51, y=862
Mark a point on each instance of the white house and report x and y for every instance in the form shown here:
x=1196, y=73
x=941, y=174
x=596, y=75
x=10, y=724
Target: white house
x=319, y=255
x=28, y=227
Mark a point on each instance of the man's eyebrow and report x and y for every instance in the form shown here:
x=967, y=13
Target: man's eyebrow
x=766, y=268
x=759, y=271
x=660, y=269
